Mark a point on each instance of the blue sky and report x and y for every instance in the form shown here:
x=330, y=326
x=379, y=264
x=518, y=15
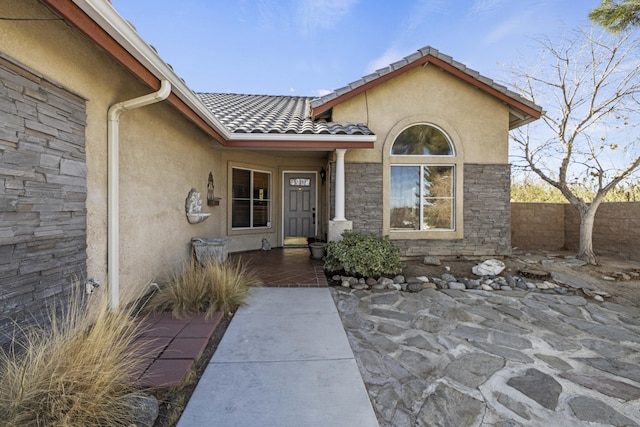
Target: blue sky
x=310, y=47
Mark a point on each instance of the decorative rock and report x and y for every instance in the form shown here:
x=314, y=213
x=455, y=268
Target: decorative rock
x=608, y=278
x=457, y=286
x=414, y=287
x=353, y=281
x=399, y=279
x=379, y=286
x=598, y=298
x=371, y=281
x=346, y=284
x=385, y=282
x=546, y=285
x=486, y=288
x=506, y=288
x=431, y=260
x=423, y=279
x=448, y=277
x=489, y=267
x=394, y=286
x=145, y=409
x=359, y=286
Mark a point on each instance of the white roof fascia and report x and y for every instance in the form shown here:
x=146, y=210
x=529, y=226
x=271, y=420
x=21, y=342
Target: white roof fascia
x=105, y=15
x=301, y=137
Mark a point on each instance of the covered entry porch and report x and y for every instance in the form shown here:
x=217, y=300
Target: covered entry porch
x=285, y=267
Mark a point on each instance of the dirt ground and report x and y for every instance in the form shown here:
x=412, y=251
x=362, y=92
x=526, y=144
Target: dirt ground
x=625, y=289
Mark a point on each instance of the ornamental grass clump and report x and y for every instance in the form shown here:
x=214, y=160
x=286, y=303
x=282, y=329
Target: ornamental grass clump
x=79, y=371
x=365, y=255
x=208, y=288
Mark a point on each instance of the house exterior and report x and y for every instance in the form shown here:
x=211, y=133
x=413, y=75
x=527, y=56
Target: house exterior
x=101, y=143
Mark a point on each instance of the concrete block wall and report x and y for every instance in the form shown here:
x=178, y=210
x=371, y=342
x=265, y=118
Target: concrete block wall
x=538, y=225
x=616, y=232
x=42, y=194
x=556, y=226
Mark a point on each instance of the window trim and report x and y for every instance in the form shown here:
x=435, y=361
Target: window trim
x=270, y=200
x=456, y=160
x=421, y=198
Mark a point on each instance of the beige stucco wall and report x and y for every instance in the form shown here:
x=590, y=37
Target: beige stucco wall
x=477, y=123
x=275, y=162
x=162, y=154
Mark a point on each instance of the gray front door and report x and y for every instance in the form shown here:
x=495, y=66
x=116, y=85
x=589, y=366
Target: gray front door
x=299, y=205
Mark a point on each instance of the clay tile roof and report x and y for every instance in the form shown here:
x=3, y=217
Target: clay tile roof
x=273, y=114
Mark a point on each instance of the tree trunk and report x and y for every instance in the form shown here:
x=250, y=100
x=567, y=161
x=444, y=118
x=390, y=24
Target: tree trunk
x=587, y=219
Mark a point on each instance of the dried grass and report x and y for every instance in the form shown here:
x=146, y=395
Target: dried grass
x=77, y=372
x=208, y=288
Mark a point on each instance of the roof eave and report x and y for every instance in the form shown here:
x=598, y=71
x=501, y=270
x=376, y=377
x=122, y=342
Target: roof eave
x=312, y=142
x=530, y=110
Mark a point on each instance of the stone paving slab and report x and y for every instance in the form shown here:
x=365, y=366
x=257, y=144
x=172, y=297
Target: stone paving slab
x=480, y=358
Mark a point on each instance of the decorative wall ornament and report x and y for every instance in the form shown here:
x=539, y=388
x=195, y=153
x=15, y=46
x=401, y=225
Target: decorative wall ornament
x=212, y=200
x=193, y=207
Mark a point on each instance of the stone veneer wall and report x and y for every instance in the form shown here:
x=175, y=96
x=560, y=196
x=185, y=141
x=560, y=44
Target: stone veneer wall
x=487, y=213
x=42, y=194
x=363, y=189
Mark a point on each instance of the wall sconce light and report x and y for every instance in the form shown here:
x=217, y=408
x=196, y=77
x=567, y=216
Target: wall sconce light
x=323, y=175
x=211, y=199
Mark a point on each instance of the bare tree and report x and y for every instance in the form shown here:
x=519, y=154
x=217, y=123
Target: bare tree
x=589, y=86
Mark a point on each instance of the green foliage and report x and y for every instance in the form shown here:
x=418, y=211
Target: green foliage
x=541, y=192
x=207, y=288
x=617, y=16
x=366, y=255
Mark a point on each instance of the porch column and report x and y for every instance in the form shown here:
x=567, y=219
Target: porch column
x=339, y=223
x=339, y=213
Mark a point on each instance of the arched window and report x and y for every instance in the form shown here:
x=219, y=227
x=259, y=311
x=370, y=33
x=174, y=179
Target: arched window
x=422, y=180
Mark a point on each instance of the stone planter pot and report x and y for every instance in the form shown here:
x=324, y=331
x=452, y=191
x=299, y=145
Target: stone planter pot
x=317, y=250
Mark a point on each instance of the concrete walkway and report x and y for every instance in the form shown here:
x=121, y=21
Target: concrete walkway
x=284, y=361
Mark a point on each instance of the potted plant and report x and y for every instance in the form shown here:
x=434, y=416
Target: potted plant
x=316, y=247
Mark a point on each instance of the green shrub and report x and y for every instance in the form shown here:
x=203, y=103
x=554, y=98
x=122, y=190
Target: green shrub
x=366, y=255
x=79, y=371
x=207, y=288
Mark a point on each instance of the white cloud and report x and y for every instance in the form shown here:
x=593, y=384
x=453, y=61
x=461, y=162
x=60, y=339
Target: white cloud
x=322, y=14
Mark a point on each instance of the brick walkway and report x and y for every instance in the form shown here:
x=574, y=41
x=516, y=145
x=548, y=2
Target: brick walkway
x=171, y=347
